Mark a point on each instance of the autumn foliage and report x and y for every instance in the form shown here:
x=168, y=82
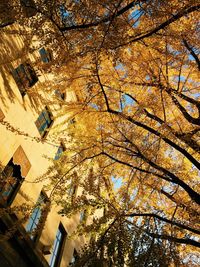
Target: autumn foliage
x=134, y=66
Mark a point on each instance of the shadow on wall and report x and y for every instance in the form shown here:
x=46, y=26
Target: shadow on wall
x=6, y=84
x=15, y=44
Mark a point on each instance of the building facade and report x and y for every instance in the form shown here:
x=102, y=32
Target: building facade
x=26, y=150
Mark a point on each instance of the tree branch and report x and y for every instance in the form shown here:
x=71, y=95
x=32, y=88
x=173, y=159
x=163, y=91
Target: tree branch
x=104, y=20
x=191, y=50
x=152, y=215
x=185, y=11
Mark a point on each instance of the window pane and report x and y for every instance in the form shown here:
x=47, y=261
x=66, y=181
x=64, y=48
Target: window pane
x=35, y=216
x=44, y=121
x=24, y=76
x=10, y=183
x=44, y=55
x=59, y=152
x=9, y=187
x=58, y=243
x=34, y=219
x=47, y=117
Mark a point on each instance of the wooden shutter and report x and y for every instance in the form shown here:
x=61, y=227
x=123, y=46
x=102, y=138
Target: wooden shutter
x=21, y=159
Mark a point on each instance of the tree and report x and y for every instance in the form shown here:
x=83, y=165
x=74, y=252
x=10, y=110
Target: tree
x=131, y=246
x=134, y=66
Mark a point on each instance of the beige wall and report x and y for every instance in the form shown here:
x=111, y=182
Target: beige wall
x=21, y=113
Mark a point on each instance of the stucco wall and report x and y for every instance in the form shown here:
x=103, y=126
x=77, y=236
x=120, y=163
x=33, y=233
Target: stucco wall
x=21, y=113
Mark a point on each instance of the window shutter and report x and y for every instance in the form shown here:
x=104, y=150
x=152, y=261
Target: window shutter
x=21, y=159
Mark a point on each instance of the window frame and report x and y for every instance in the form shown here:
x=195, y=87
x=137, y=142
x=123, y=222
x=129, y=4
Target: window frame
x=59, y=153
x=43, y=122
x=45, y=55
x=7, y=201
x=41, y=208
x=24, y=76
x=55, y=258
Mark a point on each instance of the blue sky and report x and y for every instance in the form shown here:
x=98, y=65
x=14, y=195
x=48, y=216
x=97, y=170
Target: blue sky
x=117, y=182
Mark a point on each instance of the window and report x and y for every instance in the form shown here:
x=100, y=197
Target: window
x=45, y=55
x=25, y=77
x=10, y=182
x=37, y=217
x=59, y=152
x=44, y=121
x=13, y=175
x=58, y=246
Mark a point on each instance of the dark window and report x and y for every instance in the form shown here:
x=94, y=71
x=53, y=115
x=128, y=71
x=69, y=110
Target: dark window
x=25, y=77
x=58, y=246
x=44, y=121
x=59, y=152
x=45, y=55
x=10, y=182
x=36, y=218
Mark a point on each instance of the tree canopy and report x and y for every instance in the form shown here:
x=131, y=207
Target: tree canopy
x=134, y=67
